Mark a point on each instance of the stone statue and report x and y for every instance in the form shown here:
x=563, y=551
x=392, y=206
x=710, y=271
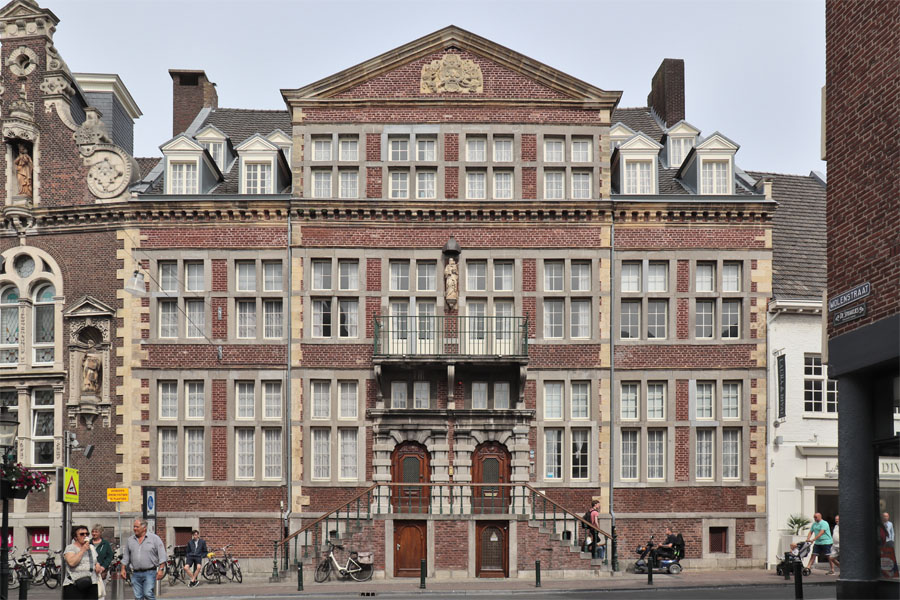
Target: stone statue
x=451, y=282
x=24, y=170
x=91, y=372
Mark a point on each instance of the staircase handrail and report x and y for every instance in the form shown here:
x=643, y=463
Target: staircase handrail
x=568, y=512
x=328, y=514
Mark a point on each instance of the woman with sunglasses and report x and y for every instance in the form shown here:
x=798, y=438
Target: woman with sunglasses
x=82, y=568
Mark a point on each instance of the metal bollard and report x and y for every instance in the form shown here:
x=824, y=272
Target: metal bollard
x=422, y=575
x=787, y=561
x=537, y=573
x=24, y=580
x=798, y=579
x=300, y=577
x=650, y=562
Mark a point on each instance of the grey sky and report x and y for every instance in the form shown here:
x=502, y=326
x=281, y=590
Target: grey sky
x=754, y=69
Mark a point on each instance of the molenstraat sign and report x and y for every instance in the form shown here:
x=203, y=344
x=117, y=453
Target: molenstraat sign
x=851, y=295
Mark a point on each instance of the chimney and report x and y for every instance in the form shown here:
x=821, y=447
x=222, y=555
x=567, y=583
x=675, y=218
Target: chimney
x=191, y=92
x=666, y=96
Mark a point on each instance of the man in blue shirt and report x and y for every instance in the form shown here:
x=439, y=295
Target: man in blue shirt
x=821, y=542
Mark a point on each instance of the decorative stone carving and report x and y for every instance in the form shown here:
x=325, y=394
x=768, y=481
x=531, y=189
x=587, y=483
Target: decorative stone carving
x=107, y=176
x=54, y=60
x=21, y=108
x=24, y=18
x=451, y=283
x=22, y=61
x=13, y=130
x=24, y=171
x=89, y=348
x=63, y=111
x=18, y=217
x=451, y=74
x=57, y=85
x=92, y=131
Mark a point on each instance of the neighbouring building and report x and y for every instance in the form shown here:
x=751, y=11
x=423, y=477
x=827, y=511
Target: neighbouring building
x=863, y=99
x=438, y=305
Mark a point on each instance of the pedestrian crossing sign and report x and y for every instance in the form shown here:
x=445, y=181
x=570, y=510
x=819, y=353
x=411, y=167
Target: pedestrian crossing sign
x=70, y=481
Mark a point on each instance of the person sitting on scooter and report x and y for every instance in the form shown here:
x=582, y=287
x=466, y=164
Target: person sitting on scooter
x=667, y=548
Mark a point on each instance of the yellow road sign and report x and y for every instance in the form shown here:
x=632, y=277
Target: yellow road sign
x=70, y=492
x=117, y=494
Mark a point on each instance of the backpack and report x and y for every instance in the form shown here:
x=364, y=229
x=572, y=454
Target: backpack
x=586, y=517
x=679, y=546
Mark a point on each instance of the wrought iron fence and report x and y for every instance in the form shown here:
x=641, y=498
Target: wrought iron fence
x=406, y=335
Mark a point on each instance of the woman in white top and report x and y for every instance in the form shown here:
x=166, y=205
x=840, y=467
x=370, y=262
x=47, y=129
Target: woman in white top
x=82, y=567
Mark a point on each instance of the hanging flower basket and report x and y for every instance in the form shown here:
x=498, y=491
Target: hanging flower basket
x=17, y=481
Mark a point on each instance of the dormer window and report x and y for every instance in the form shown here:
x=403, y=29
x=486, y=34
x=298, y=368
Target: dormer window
x=716, y=177
x=184, y=177
x=678, y=149
x=217, y=151
x=638, y=177
x=258, y=178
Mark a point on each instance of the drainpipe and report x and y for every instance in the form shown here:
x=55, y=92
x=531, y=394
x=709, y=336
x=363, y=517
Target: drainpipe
x=614, y=558
x=287, y=383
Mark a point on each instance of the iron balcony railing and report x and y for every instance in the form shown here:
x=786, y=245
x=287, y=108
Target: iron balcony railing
x=451, y=336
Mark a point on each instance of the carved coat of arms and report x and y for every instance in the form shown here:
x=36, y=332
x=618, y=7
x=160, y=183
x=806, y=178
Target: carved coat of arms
x=451, y=74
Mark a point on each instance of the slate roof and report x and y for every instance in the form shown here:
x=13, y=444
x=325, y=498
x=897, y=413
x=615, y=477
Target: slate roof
x=240, y=123
x=799, y=239
x=146, y=165
x=638, y=119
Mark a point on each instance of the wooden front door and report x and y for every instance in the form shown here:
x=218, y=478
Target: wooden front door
x=490, y=464
x=410, y=463
x=409, y=548
x=491, y=549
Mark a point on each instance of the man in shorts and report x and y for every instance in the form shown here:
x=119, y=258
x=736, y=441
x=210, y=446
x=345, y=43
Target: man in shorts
x=821, y=542
x=193, y=558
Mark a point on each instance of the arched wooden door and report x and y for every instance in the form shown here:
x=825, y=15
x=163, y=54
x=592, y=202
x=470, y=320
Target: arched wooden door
x=491, y=549
x=410, y=463
x=491, y=463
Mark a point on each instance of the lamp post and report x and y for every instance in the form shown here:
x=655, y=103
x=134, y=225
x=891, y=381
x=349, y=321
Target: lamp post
x=9, y=426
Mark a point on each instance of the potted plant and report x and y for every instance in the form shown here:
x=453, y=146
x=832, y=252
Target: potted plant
x=17, y=481
x=797, y=523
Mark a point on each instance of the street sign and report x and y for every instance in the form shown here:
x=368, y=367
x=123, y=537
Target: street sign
x=852, y=295
x=149, y=502
x=117, y=494
x=851, y=314
x=70, y=481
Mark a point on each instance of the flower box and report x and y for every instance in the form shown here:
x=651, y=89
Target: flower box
x=8, y=492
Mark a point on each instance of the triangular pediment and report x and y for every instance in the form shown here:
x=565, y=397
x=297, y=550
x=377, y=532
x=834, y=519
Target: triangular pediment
x=717, y=142
x=278, y=137
x=88, y=306
x=182, y=143
x=24, y=11
x=621, y=131
x=478, y=70
x=210, y=133
x=256, y=143
x=640, y=142
x=682, y=129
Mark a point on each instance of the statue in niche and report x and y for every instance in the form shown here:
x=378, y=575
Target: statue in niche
x=91, y=372
x=24, y=171
x=451, y=282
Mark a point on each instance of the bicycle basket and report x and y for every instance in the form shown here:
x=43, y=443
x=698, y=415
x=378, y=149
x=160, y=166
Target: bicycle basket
x=179, y=551
x=211, y=555
x=366, y=558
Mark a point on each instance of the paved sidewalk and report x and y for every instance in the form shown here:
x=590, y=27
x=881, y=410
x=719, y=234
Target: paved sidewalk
x=404, y=587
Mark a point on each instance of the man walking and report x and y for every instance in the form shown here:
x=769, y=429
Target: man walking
x=146, y=554
x=196, y=550
x=821, y=543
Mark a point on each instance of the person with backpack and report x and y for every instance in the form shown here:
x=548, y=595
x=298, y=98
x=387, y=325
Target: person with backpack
x=592, y=516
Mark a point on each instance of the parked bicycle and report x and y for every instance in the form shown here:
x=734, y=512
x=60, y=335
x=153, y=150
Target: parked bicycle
x=359, y=567
x=227, y=566
x=175, y=565
x=115, y=567
x=48, y=571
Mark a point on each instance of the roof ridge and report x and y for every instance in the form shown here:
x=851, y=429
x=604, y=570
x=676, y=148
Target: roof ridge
x=266, y=110
x=807, y=176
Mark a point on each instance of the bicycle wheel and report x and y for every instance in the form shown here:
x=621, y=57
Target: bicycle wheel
x=13, y=578
x=236, y=574
x=360, y=572
x=211, y=572
x=51, y=578
x=323, y=571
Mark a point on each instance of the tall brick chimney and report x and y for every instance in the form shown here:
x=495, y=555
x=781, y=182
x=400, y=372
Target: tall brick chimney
x=666, y=96
x=191, y=92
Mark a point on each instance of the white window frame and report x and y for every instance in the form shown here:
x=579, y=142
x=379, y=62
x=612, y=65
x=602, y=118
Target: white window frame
x=554, y=400
x=426, y=149
x=656, y=454
x=476, y=275
x=348, y=149
x=322, y=186
x=244, y=400
x=348, y=454
x=399, y=184
x=580, y=456
x=426, y=184
x=581, y=150
x=656, y=400
x=273, y=453
x=421, y=395
x=398, y=149
x=554, y=318
x=705, y=400
x=476, y=148
x=731, y=400
x=194, y=399
x=580, y=394
x=504, y=184
x=476, y=185
x=320, y=393
x=554, y=184
x=629, y=400
x=167, y=452
x=348, y=271
x=399, y=394
x=639, y=176
x=731, y=453
x=320, y=452
x=348, y=183
x=479, y=395
x=554, y=150
x=716, y=177
x=321, y=149
x=194, y=456
x=167, y=399
x=629, y=469
x=582, y=185
x=184, y=177
x=348, y=404
x=263, y=179
x=273, y=399
x=553, y=457
x=704, y=454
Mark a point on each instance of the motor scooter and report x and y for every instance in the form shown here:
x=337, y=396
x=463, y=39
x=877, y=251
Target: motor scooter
x=661, y=563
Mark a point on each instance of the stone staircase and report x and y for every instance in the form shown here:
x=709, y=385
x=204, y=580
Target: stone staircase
x=563, y=554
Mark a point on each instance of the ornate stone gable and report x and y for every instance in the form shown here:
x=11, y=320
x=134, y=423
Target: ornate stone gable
x=452, y=73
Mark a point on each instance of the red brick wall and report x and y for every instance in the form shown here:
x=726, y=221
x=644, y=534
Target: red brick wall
x=563, y=356
x=321, y=236
x=682, y=400
x=453, y=114
x=404, y=81
x=683, y=318
x=554, y=556
x=223, y=236
x=863, y=93
x=211, y=498
x=219, y=459
x=326, y=499
x=451, y=545
x=373, y=275
x=635, y=532
x=682, y=455
x=529, y=147
x=529, y=183
x=451, y=182
x=252, y=538
x=337, y=355
x=698, y=499
x=451, y=146
x=374, y=184
x=685, y=357
x=186, y=356
x=692, y=237
x=219, y=275
x=219, y=400
x=684, y=276
x=219, y=326
x=373, y=147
